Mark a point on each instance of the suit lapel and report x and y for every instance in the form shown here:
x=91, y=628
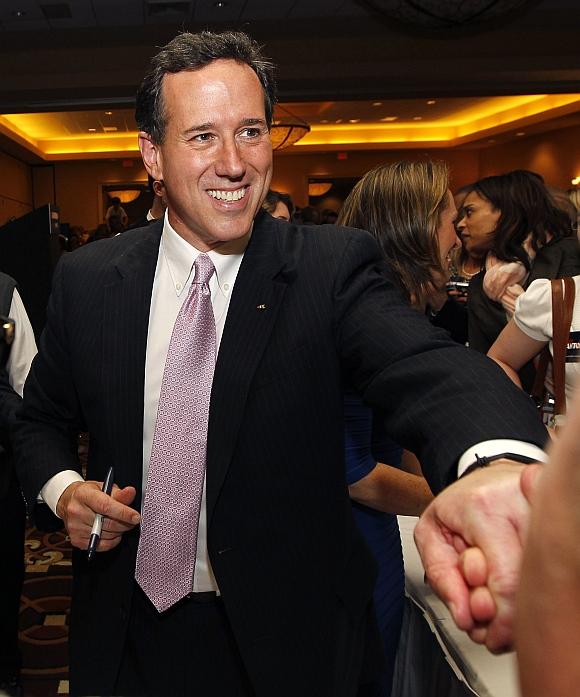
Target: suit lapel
x=256, y=300
x=127, y=301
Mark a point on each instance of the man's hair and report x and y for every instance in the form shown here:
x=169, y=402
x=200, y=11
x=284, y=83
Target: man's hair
x=526, y=208
x=273, y=198
x=190, y=52
x=400, y=204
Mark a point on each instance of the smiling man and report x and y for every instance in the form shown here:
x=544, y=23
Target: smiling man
x=207, y=355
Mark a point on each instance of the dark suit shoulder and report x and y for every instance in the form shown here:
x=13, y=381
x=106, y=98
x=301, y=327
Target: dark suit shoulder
x=102, y=254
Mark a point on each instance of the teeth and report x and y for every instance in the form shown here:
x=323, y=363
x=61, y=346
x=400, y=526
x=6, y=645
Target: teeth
x=227, y=195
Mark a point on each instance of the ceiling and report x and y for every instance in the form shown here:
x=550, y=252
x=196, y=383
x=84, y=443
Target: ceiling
x=72, y=62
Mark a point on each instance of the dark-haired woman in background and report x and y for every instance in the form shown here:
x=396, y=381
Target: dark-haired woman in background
x=515, y=219
x=408, y=208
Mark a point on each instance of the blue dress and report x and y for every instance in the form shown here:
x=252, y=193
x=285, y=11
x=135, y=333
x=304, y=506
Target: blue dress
x=366, y=443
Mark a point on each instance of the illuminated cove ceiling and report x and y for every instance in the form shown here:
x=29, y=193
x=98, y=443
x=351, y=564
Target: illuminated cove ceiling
x=353, y=125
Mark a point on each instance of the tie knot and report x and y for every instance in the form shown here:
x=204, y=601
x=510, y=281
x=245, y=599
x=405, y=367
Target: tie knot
x=204, y=269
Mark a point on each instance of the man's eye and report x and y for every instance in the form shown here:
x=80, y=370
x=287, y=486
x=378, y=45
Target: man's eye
x=202, y=137
x=251, y=132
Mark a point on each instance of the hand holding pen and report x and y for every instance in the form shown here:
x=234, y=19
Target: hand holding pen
x=80, y=503
x=98, y=524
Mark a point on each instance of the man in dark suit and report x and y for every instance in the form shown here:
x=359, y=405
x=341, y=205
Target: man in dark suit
x=279, y=601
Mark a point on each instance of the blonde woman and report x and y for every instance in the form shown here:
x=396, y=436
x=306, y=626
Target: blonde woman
x=408, y=208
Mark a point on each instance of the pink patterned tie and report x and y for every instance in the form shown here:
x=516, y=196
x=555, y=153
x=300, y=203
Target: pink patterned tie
x=168, y=542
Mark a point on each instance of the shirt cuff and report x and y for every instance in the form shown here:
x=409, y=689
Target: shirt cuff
x=488, y=448
x=54, y=487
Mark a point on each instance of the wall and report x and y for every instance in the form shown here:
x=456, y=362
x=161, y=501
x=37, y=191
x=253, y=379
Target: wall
x=554, y=155
x=78, y=187
x=15, y=188
x=291, y=171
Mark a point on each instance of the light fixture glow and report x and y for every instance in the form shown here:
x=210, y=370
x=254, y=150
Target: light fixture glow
x=430, y=102
x=389, y=118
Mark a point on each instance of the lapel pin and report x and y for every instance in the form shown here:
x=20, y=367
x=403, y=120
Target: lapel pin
x=260, y=307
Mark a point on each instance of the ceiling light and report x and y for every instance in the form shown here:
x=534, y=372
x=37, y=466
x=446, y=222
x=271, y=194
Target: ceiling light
x=353, y=120
x=430, y=102
x=520, y=133
x=287, y=129
x=377, y=104
x=19, y=13
x=338, y=121
x=389, y=118
x=92, y=130
x=417, y=118
x=319, y=188
x=109, y=129
x=575, y=181
x=220, y=4
x=108, y=113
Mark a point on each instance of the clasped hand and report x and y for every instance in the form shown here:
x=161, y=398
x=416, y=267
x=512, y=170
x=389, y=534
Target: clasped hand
x=81, y=501
x=470, y=539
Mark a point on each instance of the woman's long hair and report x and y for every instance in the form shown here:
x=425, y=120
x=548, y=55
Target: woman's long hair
x=400, y=205
x=526, y=209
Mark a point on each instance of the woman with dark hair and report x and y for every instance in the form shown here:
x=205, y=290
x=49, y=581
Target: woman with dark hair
x=515, y=221
x=408, y=208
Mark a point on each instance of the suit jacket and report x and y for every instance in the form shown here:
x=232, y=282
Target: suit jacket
x=311, y=309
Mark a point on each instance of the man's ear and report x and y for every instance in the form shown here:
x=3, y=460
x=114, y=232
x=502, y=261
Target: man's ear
x=151, y=155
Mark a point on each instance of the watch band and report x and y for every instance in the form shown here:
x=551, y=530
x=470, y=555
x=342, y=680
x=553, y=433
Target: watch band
x=485, y=460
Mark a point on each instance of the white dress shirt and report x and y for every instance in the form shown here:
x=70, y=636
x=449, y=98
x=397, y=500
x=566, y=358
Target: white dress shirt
x=23, y=347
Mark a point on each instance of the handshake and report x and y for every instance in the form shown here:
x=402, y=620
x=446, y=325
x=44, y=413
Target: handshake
x=508, y=564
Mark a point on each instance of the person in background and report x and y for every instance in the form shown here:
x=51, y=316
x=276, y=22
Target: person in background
x=116, y=218
x=526, y=236
x=13, y=372
x=158, y=204
x=279, y=205
x=205, y=354
x=531, y=329
x=408, y=208
x=309, y=215
x=328, y=217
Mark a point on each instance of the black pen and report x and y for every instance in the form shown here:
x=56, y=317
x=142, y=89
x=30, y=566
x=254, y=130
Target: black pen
x=98, y=524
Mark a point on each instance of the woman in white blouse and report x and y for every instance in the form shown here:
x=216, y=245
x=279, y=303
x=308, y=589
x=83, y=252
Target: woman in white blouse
x=530, y=330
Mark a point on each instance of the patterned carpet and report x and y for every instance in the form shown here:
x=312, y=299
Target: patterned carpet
x=44, y=614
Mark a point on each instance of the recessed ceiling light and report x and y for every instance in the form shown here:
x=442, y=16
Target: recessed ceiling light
x=353, y=120
x=338, y=121
x=417, y=118
x=323, y=120
x=92, y=130
x=430, y=102
x=520, y=133
x=109, y=129
x=377, y=103
x=108, y=113
x=19, y=13
x=221, y=4
x=389, y=118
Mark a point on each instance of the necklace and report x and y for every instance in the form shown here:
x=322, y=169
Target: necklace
x=466, y=274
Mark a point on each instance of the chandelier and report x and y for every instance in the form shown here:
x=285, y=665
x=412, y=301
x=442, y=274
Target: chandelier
x=444, y=14
x=287, y=129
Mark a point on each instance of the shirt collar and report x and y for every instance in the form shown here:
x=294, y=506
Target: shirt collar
x=180, y=256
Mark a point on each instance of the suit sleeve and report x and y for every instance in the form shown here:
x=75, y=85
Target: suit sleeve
x=438, y=397
x=47, y=425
